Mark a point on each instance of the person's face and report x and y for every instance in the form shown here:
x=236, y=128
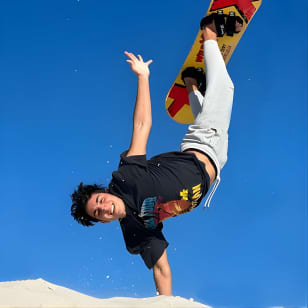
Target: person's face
x=105, y=207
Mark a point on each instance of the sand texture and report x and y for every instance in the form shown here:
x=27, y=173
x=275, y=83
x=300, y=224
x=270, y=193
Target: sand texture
x=43, y=294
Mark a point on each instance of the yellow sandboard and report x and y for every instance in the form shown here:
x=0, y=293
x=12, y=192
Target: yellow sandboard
x=177, y=102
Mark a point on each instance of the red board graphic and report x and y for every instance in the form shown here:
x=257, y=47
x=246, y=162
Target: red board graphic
x=180, y=96
x=244, y=6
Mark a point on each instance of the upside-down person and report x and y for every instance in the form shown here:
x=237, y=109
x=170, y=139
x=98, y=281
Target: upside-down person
x=143, y=193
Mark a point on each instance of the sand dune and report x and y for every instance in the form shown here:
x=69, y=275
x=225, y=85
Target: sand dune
x=43, y=294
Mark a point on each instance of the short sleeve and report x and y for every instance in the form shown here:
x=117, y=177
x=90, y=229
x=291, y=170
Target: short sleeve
x=139, y=160
x=153, y=250
x=150, y=244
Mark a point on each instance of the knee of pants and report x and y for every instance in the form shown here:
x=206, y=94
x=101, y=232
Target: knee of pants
x=224, y=85
x=217, y=139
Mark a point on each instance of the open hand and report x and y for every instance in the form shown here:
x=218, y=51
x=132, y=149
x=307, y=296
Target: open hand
x=137, y=65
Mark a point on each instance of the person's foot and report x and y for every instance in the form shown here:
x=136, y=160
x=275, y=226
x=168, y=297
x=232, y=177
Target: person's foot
x=217, y=24
x=191, y=84
x=208, y=27
x=209, y=32
x=213, y=25
x=193, y=78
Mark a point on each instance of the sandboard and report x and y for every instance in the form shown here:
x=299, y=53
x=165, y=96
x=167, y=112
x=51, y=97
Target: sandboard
x=177, y=102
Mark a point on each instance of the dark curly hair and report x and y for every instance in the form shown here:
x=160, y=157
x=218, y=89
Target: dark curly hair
x=80, y=197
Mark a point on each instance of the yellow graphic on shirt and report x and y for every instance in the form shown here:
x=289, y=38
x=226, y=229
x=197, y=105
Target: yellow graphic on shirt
x=184, y=194
x=196, y=195
x=196, y=191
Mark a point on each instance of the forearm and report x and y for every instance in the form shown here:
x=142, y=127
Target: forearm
x=142, y=112
x=163, y=280
x=142, y=120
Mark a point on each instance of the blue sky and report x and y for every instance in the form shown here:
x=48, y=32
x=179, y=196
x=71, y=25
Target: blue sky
x=67, y=98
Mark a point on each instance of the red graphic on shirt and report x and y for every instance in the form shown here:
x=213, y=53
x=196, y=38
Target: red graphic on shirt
x=163, y=211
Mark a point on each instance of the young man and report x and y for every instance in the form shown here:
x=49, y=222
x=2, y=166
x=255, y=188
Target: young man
x=143, y=193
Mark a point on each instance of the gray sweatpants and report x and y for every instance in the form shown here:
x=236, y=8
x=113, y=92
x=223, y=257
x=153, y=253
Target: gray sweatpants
x=209, y=131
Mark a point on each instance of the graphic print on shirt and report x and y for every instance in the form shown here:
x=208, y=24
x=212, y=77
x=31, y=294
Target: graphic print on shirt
x=154, y=211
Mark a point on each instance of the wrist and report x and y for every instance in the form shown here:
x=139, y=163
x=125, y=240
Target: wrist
x=143, y=76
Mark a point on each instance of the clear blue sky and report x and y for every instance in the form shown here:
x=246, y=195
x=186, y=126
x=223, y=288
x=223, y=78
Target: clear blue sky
x=66, y=102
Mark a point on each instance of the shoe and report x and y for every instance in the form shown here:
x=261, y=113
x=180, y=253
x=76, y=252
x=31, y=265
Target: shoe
x=219, y=19
x=196, y=73
x=223, y=23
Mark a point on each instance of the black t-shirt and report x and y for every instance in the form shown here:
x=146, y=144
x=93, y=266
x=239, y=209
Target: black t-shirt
x=153, y=190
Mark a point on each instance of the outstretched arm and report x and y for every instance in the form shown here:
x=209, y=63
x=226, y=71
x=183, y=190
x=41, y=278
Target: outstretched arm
x=162, y=275
x=142, y=120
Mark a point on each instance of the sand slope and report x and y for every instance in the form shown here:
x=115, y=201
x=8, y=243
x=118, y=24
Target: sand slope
x=43, y=294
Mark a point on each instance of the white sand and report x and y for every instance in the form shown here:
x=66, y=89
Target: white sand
x=40, y=293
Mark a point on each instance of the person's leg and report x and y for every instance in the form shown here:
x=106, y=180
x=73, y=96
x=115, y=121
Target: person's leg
x=194, y=95
x=209, y=132
x=218, y=98
x=193, y=79
x=196, y=100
